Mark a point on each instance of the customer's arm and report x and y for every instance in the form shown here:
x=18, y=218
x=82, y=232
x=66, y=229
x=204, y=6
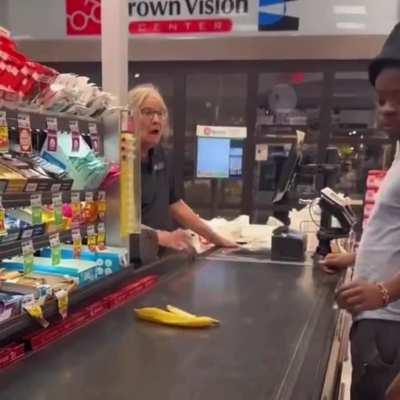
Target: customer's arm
x=361, y=295
x=187, y=218
x=393, y=393
x=336, y=262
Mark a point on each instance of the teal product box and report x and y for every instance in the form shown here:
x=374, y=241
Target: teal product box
x=82, y=271
x=108, y=261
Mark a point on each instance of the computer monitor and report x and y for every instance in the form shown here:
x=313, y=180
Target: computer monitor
x=288, y=175
x=219, y=158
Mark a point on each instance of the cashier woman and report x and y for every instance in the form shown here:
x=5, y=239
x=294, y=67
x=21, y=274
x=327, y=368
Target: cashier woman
x=162, y=207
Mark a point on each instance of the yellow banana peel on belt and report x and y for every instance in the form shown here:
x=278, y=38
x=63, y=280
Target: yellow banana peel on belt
x=174, y=317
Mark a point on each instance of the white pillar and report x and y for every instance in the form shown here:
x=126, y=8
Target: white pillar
x=5, y=21
x=114, y=48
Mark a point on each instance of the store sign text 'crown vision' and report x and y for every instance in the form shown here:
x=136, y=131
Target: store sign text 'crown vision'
x=175, y=8
x=170, y=17
x=168, y=14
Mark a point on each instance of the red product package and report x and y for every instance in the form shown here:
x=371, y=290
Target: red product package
x=374, y=179
x=21, y=78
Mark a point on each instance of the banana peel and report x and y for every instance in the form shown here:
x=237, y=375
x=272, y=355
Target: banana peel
x=174, y=317
x=178, y=311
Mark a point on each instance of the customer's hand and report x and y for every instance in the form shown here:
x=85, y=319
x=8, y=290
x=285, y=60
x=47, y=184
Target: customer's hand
x=177, y=240
x=359, y=296
x=336, y=262
x=393, y=393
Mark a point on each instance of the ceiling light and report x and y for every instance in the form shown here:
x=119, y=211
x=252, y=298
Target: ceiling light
x=136, y=76
x=350, y=10
x=350, y=25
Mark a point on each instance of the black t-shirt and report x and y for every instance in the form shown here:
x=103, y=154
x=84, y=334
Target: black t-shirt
x=158, y=190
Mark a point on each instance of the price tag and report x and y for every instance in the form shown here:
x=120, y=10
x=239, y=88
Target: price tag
x=37, y=212
x=62, y=301
x=76, y=242
x=101, y=205
x=93, y=128
x=27, y=234
x=57, y=207
x=4, y=135
x=3, y=118
x=36, y=312
x=3, y=230
x=24, y=121
x=27, y=253
x=52, y=124
x=89, y=197
x=55, y=187
x=101, y=236
x=55, y=249
x=74, y=126
x=75, y=197
x=76, y=136
x=31, y=187
x=92, y=238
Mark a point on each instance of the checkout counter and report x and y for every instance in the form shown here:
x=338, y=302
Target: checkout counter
x=279, y=338
x=274, y=341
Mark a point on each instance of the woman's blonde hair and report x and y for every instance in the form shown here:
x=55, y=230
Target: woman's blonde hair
x=139, y=94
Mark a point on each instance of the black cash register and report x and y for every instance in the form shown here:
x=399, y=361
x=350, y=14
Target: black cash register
x=287, y=244
x=337, y=217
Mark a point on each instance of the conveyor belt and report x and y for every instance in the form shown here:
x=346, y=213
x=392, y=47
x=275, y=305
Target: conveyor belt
x=273, y=343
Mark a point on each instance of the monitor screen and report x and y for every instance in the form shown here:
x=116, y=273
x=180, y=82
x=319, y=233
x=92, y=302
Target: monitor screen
x=288, y=174
x=219, y=157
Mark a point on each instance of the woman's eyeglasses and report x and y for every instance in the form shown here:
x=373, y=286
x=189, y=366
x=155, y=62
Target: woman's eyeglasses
x=150, y=113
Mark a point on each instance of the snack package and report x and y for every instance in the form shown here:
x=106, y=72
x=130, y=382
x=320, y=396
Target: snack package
x=85, y=168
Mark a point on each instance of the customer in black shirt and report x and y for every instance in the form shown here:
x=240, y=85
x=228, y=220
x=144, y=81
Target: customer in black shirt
x=162, y=207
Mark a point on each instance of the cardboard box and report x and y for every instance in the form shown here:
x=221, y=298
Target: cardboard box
x=108, y=261
x=84, y=272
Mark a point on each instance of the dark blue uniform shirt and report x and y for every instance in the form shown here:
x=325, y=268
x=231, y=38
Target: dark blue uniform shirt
x=158, y=190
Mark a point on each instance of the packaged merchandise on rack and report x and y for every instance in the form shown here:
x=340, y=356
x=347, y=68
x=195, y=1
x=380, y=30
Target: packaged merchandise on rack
x=83, y=166
x=54, y=247
x=81, y=271
x=25, y=83
x=374, y=180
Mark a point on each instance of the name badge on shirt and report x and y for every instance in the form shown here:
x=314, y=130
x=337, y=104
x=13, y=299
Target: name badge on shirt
x=159, y=166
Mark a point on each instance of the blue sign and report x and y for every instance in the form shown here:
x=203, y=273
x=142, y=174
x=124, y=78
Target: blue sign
x=276, y=22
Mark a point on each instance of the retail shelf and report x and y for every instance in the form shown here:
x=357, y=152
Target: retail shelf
x=285, y=133
x=285, y=126
x=38, y=119
x=15, y=200
x=14, y=328
x=358, y=140
x=11, y=249
x=283, y=139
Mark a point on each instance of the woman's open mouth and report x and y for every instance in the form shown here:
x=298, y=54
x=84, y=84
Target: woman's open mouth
x=155, y=132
